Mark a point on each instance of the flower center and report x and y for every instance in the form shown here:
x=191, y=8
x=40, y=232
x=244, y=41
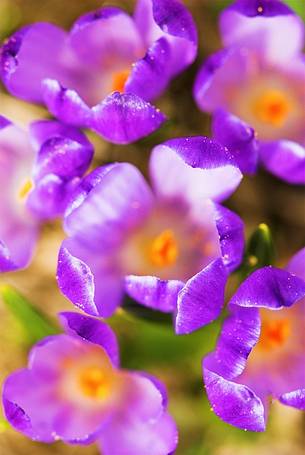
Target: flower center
x=94, y=383
x=163, y=250
x=274, y=334
x=272, y=107
x=119, y=80
x=25, y=189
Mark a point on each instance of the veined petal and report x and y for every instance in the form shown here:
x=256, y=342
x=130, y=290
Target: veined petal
x=133, y=437
x=264, y=24
x=171, y=20
x=285, y=159
x=150, y=75
x=269, y=287
x=106, y=37
x=238, y=137
x=202, y=298
x=24, y=62
x=296, y=399
x=124, y=117
x=92, y=330
x=193, y=168
x=230, y=228
x=234, y=403
x=153, y=292
x=119, y=201
x=65, y=104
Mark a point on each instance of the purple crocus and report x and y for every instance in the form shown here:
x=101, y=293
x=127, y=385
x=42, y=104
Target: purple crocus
x=260, y=353
x=39, y=169
x=74, y=390
x=103, y=73
x=170, y=247
x=255, y=87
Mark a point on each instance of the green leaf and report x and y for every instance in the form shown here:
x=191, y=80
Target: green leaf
x=259, y=251
x=34, y=323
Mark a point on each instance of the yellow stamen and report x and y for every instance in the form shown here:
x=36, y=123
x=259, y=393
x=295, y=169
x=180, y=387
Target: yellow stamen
x=274, y=333
x=164, y=249
x=94, y=382
x=119, y=80
x=272, y=107
x=25, y=189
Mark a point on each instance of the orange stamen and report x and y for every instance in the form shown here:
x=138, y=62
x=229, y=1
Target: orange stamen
x=164, y=249
x=119, y=80
x=272, y=107
x=274, y=333
x=94, y=382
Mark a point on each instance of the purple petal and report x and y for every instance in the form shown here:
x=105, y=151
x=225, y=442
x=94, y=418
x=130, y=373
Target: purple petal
x=145, y=400
x=124, y=117
x=118, y=202
x=107, y=34
x=23, y=399
x=269, y=287
x=296, y=264
x=43, y=130
x=171, y=20
x=150, y=76
x=133, y=437
x=6, y=264
x=296, y=399
x=49, y=197
x=202, y=298
x=92, y=330
x=265, y=25
x=219, y=71
x=65, y=104
x=159, y=385
x=76, y=281
x=4, y=122
x=234, y=403
x=18, y=230
x=240, y=332
x=153, y=292
x=64, y=157
x=231, y=236
x=85, y=186
x=100, y=283
x=24, y=62
x=193, y=168
x=285, y=159
x=238, y=137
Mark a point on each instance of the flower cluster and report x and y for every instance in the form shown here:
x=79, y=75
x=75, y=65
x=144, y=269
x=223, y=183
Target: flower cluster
x=85, y=397
x=255, y=87
x=129, y=61
x=168, y=243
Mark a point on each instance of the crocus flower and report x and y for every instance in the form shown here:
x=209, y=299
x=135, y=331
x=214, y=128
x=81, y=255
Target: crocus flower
x=170, y=247
x=38, y=171
x=255, y=87
x=260, y=353
x=74, y=390
x=103, y=73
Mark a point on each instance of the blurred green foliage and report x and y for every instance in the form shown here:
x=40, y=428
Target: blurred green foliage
x=34, y=323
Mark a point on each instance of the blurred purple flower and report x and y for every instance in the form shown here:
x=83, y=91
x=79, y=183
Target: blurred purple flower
x=255, y=88
x=169, y=248
x=38, y=172
x=261, y=349
x=73, y=390
x=103, y=73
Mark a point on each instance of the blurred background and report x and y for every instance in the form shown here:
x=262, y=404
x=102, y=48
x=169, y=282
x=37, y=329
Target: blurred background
x=151, y=345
